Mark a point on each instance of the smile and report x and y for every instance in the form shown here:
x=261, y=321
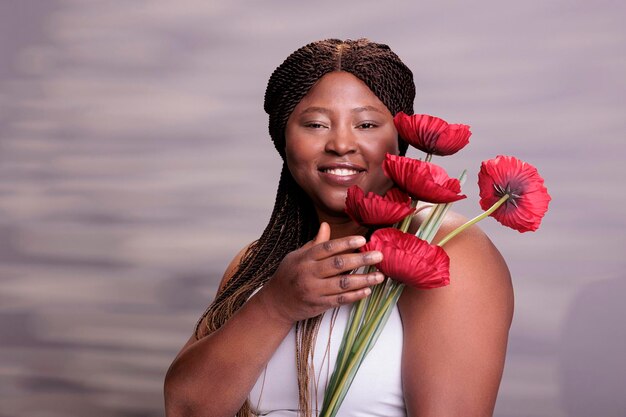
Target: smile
x=342, y=172
x=343, y=176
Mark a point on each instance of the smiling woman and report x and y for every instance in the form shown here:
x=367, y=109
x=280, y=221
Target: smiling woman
x=267, y=343
x=336, y=137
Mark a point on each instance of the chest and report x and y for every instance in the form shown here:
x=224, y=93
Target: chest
x=377, y=387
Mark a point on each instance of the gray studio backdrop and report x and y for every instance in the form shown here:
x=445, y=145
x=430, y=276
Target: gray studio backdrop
x=135, y=161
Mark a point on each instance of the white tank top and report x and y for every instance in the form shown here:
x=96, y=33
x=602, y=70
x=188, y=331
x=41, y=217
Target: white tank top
x=375, y=391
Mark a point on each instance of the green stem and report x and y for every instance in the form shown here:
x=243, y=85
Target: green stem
x=354, y=325
x=379, y=290
x=434, y=221
x=375, y=298
x=429, y=157
x=365, y=331
x=360, y=349
x=437, y=222
x=406, y=222
x=474, y=220
x=431, y=221
x=425, y=223
x=362, y=311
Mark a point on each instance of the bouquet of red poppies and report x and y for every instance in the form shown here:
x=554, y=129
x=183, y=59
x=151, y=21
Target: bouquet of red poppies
x=511, y=191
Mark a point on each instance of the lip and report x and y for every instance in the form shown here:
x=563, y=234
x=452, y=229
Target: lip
x=342, y=180
x=346, y=165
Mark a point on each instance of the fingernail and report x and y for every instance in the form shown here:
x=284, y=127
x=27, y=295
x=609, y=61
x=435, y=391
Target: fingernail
x=358, y=241
x=367, y=291
x=379, y=277
x=376, y=256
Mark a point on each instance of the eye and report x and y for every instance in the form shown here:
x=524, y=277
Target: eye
x=314, y=125
x=367, y=125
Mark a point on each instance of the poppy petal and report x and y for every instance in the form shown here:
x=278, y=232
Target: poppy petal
x=529, y=198
x=432, y=134
x=410, y=260
x=423, y=181
x=376, y=210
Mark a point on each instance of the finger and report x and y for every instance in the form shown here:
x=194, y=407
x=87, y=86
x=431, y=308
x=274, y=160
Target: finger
x=323, y=235
x=329, y=248
x=338, y=264
x=346, y=297
x=351, y=282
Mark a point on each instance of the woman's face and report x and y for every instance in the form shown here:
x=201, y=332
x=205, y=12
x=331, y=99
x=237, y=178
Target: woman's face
x=336, y=137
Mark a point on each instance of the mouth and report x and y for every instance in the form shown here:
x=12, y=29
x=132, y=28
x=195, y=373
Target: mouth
x=341, y=168
x=341, y=172
x=344, y=174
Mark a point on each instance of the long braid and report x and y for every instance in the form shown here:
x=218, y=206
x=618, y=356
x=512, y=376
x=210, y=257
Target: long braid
x=294, y=221
x=285, y=231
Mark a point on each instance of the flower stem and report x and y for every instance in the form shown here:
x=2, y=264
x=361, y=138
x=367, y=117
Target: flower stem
x=381, y=294
x=429, y=157
x=431, y=221
x=426, y=222
x=359, y=352
x=406, y=222
x=374, y=297
x=430, y=226
x=354, y=326
x=474, y=220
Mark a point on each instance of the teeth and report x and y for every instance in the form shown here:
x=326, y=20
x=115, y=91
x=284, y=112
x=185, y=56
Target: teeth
x=341, y=171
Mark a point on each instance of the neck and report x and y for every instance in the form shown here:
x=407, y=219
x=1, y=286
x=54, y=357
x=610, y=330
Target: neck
x=341, y=226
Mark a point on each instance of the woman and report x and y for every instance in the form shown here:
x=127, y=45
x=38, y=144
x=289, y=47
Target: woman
x=268, y=342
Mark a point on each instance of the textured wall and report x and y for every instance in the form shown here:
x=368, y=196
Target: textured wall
x=135, y=161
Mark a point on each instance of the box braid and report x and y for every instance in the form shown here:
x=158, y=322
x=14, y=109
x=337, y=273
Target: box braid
x=294, y=221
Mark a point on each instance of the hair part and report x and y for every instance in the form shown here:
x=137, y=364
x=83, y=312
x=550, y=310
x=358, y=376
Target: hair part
x=373, y=63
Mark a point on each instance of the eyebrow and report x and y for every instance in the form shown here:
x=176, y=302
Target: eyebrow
x=367, y=108
x=324, y=110
x=314, y=109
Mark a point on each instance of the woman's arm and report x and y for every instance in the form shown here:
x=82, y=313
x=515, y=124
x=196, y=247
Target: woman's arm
x=455, y=337
x=213, y=376
x=223, y=367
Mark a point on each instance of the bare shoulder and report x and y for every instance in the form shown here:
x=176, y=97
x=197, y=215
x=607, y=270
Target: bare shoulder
x=456, y=336
x=230, y=271
x=470, y=251
x=234, y=265
x=478, y=272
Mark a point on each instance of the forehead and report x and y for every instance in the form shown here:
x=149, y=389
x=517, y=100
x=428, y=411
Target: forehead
x=340, y=89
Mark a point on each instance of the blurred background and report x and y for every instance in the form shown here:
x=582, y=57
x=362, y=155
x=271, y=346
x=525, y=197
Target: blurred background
x=135, y=162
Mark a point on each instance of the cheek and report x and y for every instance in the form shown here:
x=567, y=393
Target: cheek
x=297, y=147
x=380, y=182
x=389, y=140
x=394, y=146
x=292, y=160
x=387, y=144
x=297, y=159
x=291, y=151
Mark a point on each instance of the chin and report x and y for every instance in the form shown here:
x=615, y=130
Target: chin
x=335, y=208
x=380, y=188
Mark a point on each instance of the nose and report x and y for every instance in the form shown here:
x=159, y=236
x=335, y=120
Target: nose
x=342, y=141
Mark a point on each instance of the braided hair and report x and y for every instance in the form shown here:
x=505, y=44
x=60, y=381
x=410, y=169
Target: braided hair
x=294, y=220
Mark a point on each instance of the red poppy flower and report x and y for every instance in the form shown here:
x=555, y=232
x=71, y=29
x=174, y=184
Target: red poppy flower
x=528, y=200
x=432, y=134
x=422, y=180
x=375, y=210
x=410, y=260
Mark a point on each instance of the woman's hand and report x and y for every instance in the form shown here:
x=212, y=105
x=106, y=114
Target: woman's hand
x=307, y=282
x=316, y=277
